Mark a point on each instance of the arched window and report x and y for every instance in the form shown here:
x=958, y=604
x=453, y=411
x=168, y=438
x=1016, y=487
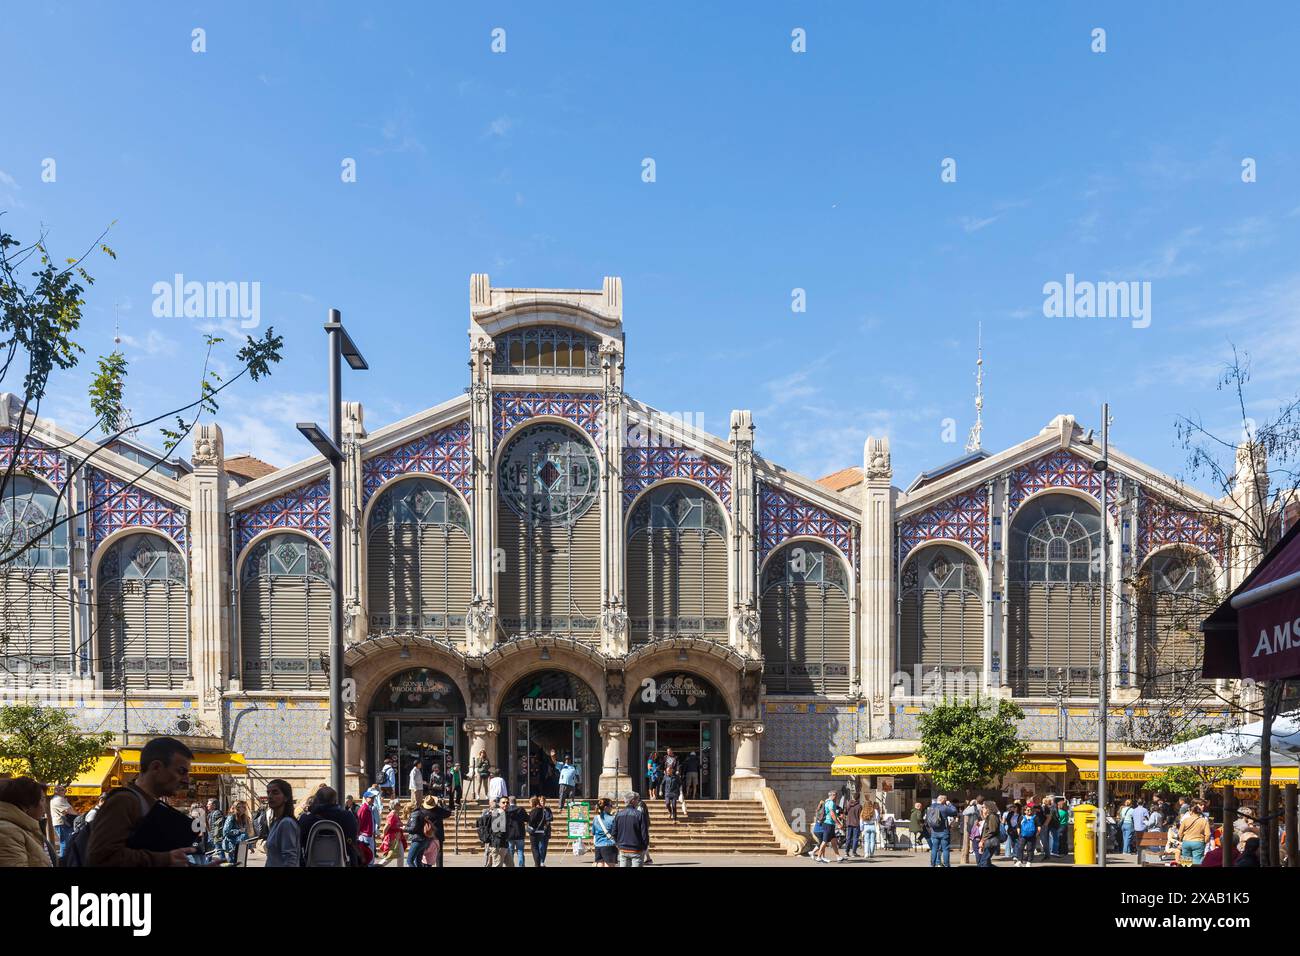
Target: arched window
x=284, y=614
x=1055, y=593
x=418, y=574
x=546, y=350
x=941, y=612
x=142, y=607
x=677, y=565
x=805, y=621
x=548, y=480
x=36, y=614
x=1175, y=591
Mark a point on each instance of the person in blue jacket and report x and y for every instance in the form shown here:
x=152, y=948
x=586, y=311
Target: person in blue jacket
x=602, y=833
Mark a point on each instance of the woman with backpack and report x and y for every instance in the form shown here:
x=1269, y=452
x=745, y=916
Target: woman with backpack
x=283, y=839
x=539, y=828
x=237, y=829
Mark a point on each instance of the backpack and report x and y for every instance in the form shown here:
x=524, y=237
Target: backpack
x=78, y=848
x=484, y=828
x=934, y=818
x=1028, y=826
x=326, y=845
x=75, y=820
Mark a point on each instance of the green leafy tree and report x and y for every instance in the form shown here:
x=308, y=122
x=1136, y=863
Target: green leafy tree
x=44, y=743
x=966, y=744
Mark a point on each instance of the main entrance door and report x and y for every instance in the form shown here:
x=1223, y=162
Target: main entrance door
x=550, y=718
x=415, y=719
x=685, y=714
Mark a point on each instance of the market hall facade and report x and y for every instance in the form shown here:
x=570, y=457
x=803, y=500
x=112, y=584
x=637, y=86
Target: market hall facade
x=543, y=568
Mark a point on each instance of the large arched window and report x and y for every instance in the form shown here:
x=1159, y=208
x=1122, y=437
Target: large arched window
x=1175, y=591
x=142, y=614
x=1055, y=591
x=548, y=527
x=418, y=573
x=284, y=614
x=940, y=612
x=36, y=614
x=677, y=565
x=805, y=621
x=546, y=350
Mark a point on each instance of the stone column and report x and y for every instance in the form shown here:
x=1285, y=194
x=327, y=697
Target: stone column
x=615, y=775
x=745, y=622
x=480, y=621
x=209, y=547
x=482, y=735
x=356, y=622
x=877, y=582
x=614, y=633
x=356, y=762
x=746, y=780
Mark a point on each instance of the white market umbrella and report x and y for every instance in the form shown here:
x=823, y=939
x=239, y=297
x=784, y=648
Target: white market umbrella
x=1237, y=747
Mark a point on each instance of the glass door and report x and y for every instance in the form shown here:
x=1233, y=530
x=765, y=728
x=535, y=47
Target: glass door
x=578, y=748
x=522, y=764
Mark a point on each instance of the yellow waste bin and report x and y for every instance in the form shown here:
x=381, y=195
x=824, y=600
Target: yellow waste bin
x=1085, y=835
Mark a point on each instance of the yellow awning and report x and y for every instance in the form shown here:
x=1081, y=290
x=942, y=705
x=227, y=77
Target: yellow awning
x=1117, y=768
x=203, y=764
x=1250, y=777
x=93, y=782
x=892, y=765
x=871, y=766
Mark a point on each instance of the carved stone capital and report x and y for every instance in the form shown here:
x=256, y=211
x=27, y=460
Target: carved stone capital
x=615, y=728
x=478, y=728
x=877, y=460
x=746, y=729
x=209, y=446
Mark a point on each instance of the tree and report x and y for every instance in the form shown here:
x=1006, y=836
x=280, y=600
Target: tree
x=1193, y=781
x=1255, y=476
x=965, y=744
x=40, y=317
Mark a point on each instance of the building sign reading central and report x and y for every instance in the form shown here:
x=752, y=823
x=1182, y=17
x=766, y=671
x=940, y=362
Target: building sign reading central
x=552, y=705
x=551, y=694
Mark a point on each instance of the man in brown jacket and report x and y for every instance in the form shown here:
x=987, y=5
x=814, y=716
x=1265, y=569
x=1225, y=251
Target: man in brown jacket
x=164, y=769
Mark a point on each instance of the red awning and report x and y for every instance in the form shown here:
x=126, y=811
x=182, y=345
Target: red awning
x=1256, y=632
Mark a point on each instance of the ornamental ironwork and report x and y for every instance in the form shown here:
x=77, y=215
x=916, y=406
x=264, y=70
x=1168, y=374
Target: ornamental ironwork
x=549, y=474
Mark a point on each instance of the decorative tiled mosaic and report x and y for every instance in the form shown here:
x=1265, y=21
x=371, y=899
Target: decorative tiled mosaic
x=445, y=454
x=1061, y=469
x=1160, y=522
x=783, y=516
x=962, y=518
x=801, y=732
x=581, y=408
x=269, y=729
x=305, y=508
x=642, y=467
x=115, y=505
x=35, y=457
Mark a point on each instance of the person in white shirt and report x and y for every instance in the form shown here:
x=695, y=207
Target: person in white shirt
x=496, y=787
x=416, y=782
x=60, y=814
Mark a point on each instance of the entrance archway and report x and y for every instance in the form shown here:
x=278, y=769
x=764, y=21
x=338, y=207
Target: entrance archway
x=551, y=719
x=682, y=712
x=415, y=717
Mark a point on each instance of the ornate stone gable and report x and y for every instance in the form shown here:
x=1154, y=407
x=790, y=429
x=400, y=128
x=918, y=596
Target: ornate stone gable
x=35, y=458
x=963, y=517
x=1061, y=469
x=784, y=515
x=445, y=453
x=1161, y=522
x=305, y=508
x=583, y=409
x=115, y=505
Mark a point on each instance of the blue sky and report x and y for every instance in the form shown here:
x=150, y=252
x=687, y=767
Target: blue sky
x=774, y=171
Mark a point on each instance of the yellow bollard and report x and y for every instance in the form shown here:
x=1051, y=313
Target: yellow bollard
x=1085, y=835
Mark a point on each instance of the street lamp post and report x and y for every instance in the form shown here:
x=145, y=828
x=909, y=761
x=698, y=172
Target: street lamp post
x=1103, y=707
x=341, y=347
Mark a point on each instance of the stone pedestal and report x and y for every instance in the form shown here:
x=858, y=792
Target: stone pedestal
x=615, y=774
x=482, y=736
x=746, y=780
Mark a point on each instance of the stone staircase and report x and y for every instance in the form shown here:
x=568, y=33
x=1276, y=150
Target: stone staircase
x=712, y=826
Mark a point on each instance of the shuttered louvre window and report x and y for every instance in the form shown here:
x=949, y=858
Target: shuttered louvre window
x=1055, y=594
x=1175, y=591
x=549, y=531
x=36, y=619
x=142, y=608
x=284, y=614
x=941, y=613
x=418, y=577
x=806, y=630
x=677, y=565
